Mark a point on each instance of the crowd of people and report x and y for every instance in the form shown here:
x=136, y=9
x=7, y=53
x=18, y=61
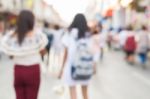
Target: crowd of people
x=134, y=43
x=83, y=47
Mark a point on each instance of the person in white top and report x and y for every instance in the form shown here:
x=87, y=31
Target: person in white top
x=57, y=47
x=99, y=40
x=57, y=32
x=78, y=30
x=102, y=40
x=122, y=37
x=143, y=45
x=25, y=46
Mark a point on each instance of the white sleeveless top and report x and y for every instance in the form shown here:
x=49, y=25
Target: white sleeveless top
x=28, y=52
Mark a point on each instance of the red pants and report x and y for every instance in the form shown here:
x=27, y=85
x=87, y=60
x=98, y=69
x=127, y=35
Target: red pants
x=27, y=81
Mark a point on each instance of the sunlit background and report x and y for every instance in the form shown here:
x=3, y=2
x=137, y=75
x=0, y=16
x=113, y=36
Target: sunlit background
x=122, y=12
x=68, y=8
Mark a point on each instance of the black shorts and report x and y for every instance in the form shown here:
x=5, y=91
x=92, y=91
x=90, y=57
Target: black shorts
x=129, y=53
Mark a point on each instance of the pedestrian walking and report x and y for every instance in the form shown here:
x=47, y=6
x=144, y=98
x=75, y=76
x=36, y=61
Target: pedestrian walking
x=50, y=37
x=102, y=42
x=78, y=65
x=99, y=40
x=143, y=45
x=130, y=46
x=25, y=47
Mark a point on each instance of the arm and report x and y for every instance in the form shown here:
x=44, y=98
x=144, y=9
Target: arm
x=64, y=61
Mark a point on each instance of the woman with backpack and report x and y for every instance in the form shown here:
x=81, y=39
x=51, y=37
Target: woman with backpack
x=130, y=46
x=25, y=47
x=78, y=65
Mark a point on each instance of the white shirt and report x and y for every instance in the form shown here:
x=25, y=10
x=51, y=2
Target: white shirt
x=122, y=37
x=69, y=42
x=57, y=39
x=143, y=42
x=28, y=52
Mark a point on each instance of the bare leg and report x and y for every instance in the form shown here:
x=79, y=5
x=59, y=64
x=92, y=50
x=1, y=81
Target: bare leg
x=85, y=92
x=101, y=54
x=73, y=93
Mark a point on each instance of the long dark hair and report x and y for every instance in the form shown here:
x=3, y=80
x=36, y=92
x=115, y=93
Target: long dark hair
x=25, y=23
x=80, y=23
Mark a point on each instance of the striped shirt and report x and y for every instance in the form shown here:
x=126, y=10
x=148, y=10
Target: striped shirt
x=28, y=52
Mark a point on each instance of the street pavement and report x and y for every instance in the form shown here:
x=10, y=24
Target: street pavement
x=115, y=79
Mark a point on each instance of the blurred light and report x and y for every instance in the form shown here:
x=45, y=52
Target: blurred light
x=49, y=2
x=68, y=8
x=29, y=3
x=125, y=3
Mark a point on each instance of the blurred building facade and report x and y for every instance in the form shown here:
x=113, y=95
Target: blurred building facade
x=119, y=11
x=41, y=10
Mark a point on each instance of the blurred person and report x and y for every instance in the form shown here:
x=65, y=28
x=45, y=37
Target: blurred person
x=122, y=38
x=56, y=57
x=102, y=41
x=96, y=40
x=93, y=26
x=110, y=38
x=1, y=34
x=130, y=46
x=58, y=33
x=116, y=39
x=143, y=45
x=95, y=36
x=1, y=27
x=78, y=34
x=25, y=47
x=99, y=40
x=50, y=37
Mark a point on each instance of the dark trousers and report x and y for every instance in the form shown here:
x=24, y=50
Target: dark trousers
x=27, y=81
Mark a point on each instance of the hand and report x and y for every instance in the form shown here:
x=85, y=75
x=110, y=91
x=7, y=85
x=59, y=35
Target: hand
x=43, y=52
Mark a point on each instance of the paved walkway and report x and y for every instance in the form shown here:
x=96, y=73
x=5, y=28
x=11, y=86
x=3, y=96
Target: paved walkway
x=115, y=80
